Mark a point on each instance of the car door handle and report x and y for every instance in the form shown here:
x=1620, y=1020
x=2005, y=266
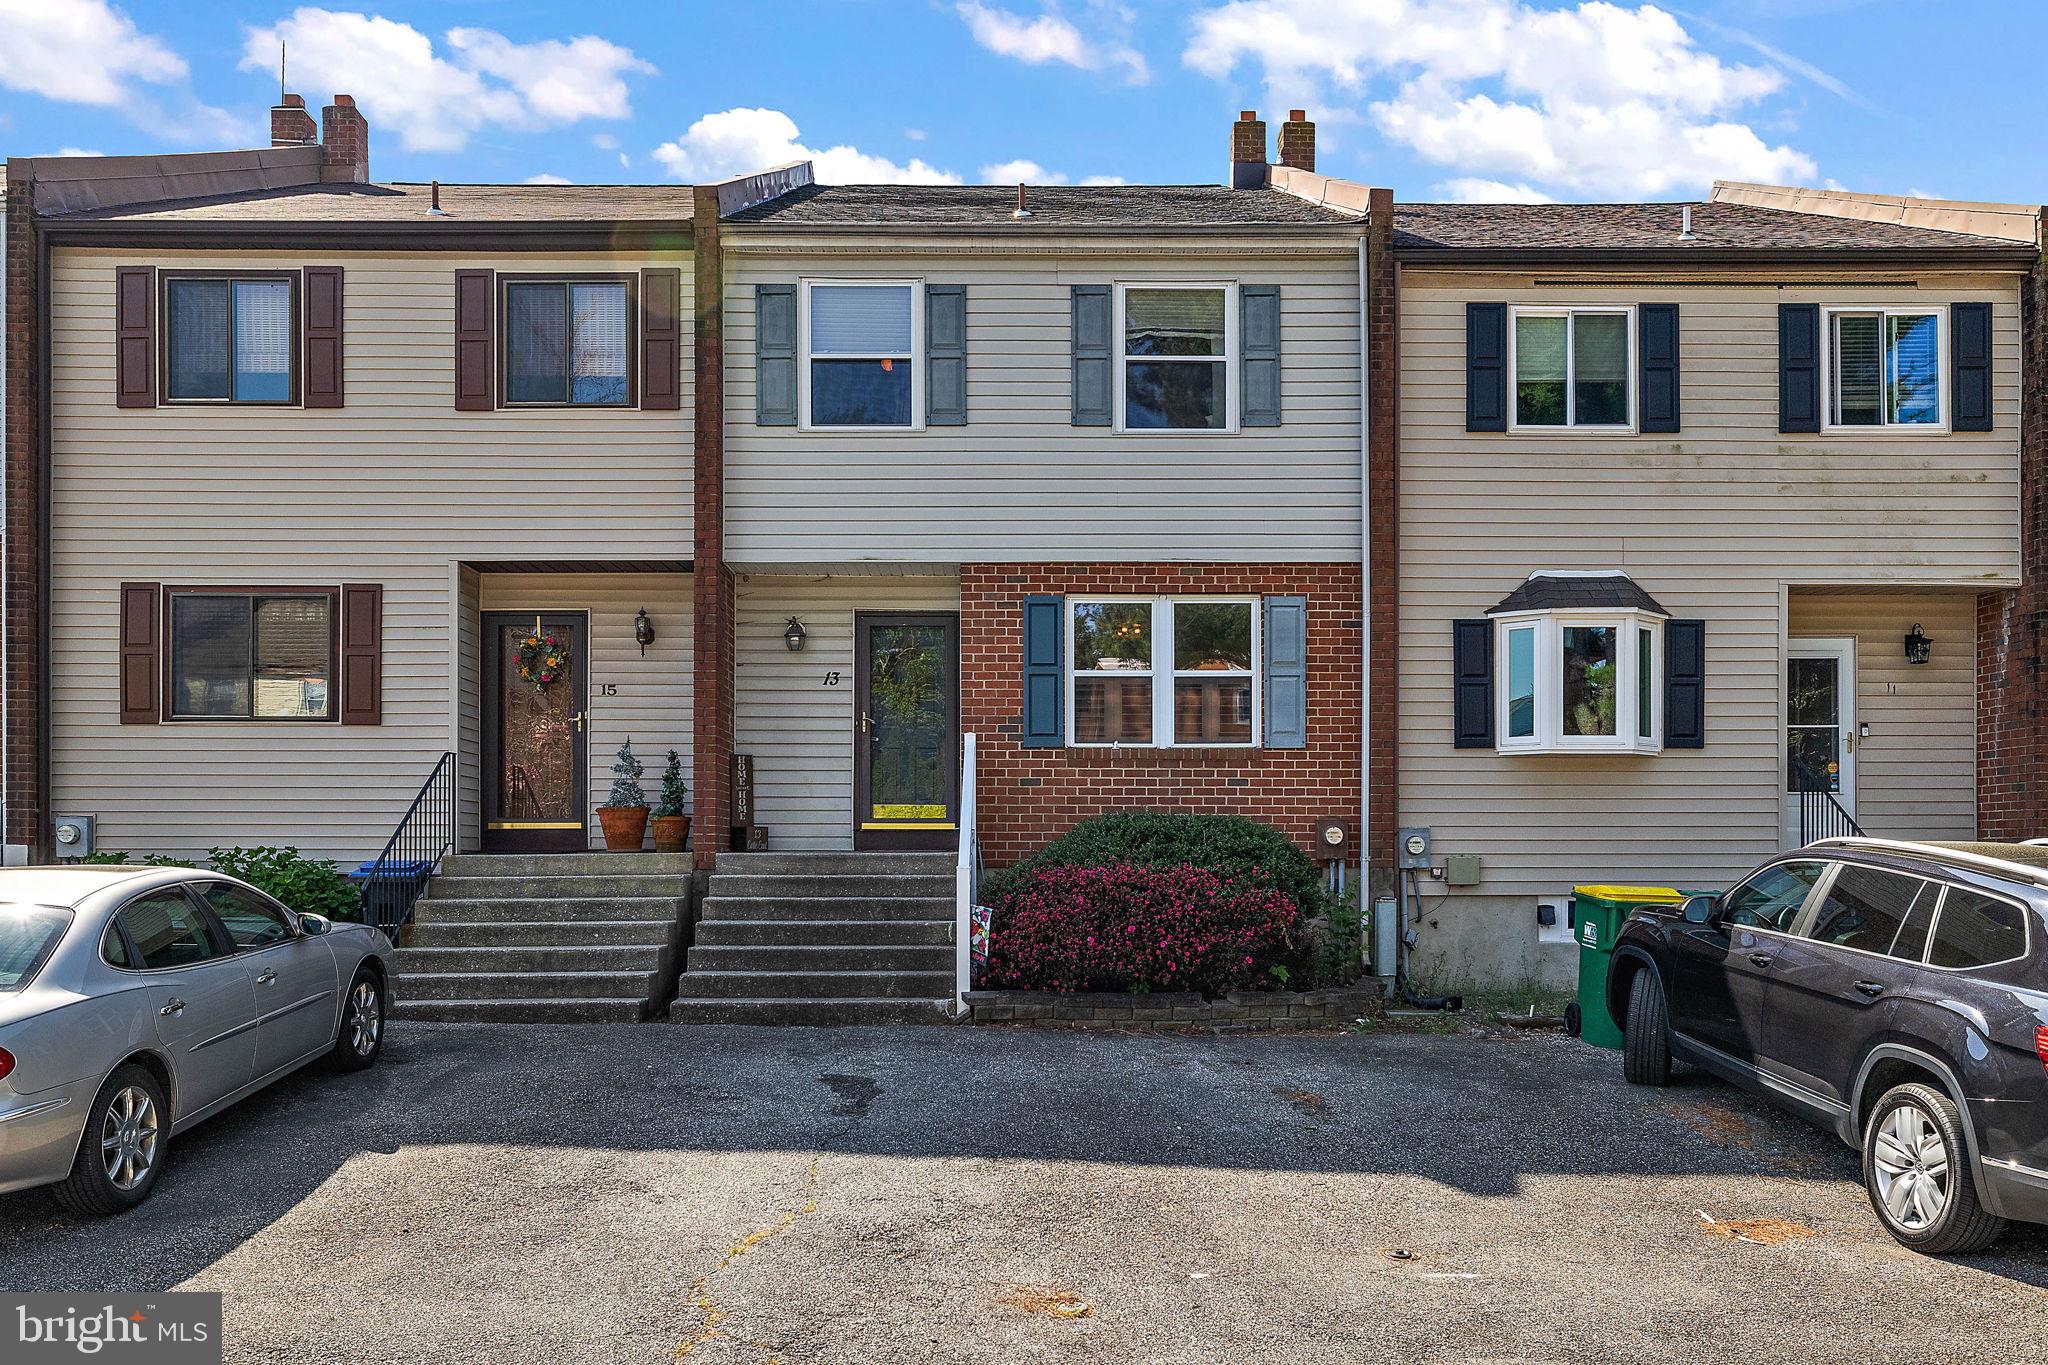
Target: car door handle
x=1871, y=987
x=173, y=1006
x=1761, y=959
x=265, y=977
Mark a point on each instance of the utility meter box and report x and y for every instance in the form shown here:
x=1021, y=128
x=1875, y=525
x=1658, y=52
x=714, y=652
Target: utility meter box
x=74, y=835
x=1461, y=869
x=1414, y=847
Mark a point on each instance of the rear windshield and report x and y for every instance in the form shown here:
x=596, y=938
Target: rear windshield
x=27, y=934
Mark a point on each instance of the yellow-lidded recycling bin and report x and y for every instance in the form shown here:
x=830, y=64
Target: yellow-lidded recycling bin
x=1597, y=913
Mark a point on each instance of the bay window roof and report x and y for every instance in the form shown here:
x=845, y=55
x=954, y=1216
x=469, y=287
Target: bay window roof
x=1559, y=590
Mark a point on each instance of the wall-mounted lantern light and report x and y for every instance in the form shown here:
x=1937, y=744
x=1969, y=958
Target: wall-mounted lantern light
x=1918, y=646
x=643, y=631
x=793, y=635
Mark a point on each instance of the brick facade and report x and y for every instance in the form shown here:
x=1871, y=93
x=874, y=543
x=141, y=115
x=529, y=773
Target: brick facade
x=1027, y=797
x=23, y=569
x=712, y=586
x=1383, y=519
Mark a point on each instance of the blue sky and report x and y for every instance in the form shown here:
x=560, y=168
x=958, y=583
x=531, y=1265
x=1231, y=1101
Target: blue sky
x=1483, y=99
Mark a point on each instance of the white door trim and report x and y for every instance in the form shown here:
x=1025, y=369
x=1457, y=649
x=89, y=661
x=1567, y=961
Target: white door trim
x=1842, y=649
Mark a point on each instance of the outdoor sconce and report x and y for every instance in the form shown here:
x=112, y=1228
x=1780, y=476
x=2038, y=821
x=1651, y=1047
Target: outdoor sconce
x=793, y=635
x=643, y=631
x=1918, y=646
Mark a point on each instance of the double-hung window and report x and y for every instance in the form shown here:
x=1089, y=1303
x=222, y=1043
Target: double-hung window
x=230, y=339
x=568, y=343
x=1887, y=368
x=860, y=341
x=1574, y=368
x=251, y=655
x=1580, y=680
x=1163, y=672
x=1178, y=366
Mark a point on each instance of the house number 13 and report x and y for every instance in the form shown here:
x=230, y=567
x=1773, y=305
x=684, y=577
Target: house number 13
x=832, y=678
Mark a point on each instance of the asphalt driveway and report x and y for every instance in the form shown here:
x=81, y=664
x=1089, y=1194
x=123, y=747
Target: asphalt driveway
x=629, y=1194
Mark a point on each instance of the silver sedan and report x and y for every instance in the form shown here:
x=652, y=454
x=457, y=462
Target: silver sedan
x=137, y=1001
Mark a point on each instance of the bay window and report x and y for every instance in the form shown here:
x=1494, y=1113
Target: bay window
x=1163, y=672
x=1887, y=368
x=860, y=342
x=1580, y=680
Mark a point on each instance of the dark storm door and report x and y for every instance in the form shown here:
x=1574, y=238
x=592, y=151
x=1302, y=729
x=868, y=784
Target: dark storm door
x=906, y=730
x=536, y=795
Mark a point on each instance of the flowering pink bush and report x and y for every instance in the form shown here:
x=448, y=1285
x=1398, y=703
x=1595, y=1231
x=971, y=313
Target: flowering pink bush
x=1125, y=928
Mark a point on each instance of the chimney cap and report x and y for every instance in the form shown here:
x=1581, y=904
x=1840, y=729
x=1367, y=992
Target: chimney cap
x=291, y=102
x=1248, y=116
x=347, y=100
x=1297, y=115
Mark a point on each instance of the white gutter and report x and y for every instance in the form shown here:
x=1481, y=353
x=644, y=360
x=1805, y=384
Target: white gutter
x=1364, y=880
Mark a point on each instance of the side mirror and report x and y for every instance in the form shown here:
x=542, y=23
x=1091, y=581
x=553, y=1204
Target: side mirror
x=314, y=925
x=1698, y=909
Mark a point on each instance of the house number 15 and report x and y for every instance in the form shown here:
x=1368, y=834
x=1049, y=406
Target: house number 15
x=607, y=689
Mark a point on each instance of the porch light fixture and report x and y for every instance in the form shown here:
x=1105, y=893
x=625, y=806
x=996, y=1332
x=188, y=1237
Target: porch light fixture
x=1918, y=646
x=793, y=635
x=643, y=631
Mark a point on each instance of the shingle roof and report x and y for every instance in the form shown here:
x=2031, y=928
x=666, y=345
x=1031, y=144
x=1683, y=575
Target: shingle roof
x=1057, y=206
x=1549, y=592
x=1623, y=227
x=408, y=203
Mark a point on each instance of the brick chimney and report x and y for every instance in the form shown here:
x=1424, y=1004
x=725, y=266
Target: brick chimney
x=345, y=137
x=1248, y=151
x=1298, y=141
x=291, y=125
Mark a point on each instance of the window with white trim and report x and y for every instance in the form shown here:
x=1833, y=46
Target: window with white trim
x=861, y=340
x=1163, y=672
x=1177, y=369
x=1573, y=367
x=1580, y=681
x=1887, y=367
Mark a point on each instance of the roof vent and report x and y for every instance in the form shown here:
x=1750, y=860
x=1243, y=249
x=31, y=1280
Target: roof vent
x=1685, y=225
x=434, y=209
x=1022, y=211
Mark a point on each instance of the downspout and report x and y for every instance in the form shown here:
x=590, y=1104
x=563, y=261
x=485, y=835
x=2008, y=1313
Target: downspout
x=1363, y=883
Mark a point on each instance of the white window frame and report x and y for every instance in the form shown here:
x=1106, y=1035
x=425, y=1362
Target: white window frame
x=1829, y=379
x=1231, y=358
x=1163, y=673
x=1569, y=312
x=915, y=356
x=1549, y=737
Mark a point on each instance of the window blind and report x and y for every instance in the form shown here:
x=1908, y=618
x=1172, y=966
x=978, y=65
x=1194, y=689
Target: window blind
x=197, y=334
x=597, y=357
x=263, y=341
x=862, y=320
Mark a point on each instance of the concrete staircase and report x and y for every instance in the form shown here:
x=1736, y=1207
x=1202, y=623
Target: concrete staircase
x=544, y=938
x=822, y=938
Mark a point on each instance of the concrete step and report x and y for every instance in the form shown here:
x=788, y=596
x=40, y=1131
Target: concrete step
x=564, y=864
x=508, y=909
x=836, y=864
x=871, y=886
x=587, y=933
x=530, y=959
x=543, y=886
x=522, y=1011
x=813, y=985
x=876, y=933
x=553, y=985
x=718, y=957
x=822, y=1013
x=784, y=907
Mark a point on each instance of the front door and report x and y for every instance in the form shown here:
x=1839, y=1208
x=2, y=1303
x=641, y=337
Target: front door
x=535, y=770
x=1820, y=739
x=906, y=730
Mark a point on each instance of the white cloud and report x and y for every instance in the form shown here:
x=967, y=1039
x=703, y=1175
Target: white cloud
x=914, y=134
x=1598, y=98
x=604, y=142
x=80, y=51
x=544, y=178
x=740, y=140
x=1051, y=38
x=1020, y=172
x=435, y=101
x=1469, y=189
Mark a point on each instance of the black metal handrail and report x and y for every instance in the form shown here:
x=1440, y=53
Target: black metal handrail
x=394, y=881
x=1821, y=816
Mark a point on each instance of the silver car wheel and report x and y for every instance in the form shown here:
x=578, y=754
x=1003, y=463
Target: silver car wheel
x=365, y=1017
x=128, y=1138
x=1912, y=1165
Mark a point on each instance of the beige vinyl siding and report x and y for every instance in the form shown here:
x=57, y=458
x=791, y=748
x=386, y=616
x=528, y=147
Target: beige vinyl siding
x=796, y=724
x=1019, y=482
x=395, y=488
x=1715, y=523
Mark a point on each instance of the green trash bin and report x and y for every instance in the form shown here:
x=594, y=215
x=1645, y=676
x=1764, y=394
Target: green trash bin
x=1597, y=913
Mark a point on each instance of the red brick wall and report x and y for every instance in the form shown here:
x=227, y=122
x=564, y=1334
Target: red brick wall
x=27, y=786
x=712, y=587
x=1027, y=797
x=1383, y=510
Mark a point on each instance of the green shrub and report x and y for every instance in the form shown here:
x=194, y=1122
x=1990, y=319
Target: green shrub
x=308, y=885
x=1334, y=944
x=1231, y=846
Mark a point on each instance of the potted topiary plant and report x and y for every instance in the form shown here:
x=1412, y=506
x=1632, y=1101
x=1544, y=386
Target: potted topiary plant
x=624, y=813
x=671, y=825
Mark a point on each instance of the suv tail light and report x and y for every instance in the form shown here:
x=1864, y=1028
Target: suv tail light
x=7, y=1060
x=2040, y=1047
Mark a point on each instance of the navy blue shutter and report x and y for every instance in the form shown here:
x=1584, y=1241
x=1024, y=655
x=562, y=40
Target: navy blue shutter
x=1091, y=393
x=1045, y=684
x=945, y=355
x=1798, y=367
x=775, y=355
x=1685, y=684
x=1472, y=684
x=1286, y=641
x=1657, y=366
x=1969, y=356
x=1258, y=325
x=1486, y=367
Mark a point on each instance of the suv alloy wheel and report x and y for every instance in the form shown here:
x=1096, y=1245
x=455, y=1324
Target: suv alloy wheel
x=1916, y=1168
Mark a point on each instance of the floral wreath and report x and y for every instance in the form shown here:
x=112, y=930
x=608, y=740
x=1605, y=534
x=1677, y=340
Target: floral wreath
x=542, y=659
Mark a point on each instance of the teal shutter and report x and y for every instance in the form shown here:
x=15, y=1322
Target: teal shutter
x=1045, y=684
x=1486, y=367
x=945, y=355
x=1657, y=368
x=1969, y=353
x=1685, y=684
x=775, y=355
x=1286, y=641
x=1258, y=325
x=1798, y=368
x=1091, y=392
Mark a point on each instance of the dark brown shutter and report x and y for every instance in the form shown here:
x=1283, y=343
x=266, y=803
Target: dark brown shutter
x=323, y=336
x=134, y=336
x=362, y=654
x=474, y=348
x=141, y=661
x=661, y=339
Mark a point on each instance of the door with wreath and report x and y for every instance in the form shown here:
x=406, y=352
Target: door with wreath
x=535, y=724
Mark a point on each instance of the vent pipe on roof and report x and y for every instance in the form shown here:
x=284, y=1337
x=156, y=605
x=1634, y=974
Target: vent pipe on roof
x=434, y=209
x=1022, y=211
x=1685, y=225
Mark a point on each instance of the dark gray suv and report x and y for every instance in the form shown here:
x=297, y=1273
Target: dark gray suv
x=1895, y=992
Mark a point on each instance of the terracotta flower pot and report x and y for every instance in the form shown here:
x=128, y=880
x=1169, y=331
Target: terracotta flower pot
x=624, y=827
x=671, y=833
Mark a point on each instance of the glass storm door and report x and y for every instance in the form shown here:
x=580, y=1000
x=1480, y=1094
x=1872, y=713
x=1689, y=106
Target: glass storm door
x=906, y=733
x=1820, y=726
x=536, y=797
